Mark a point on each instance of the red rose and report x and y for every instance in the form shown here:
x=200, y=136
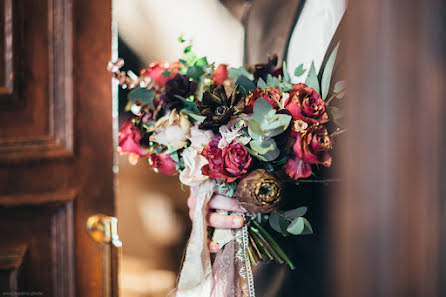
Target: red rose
x=229, y=163
x=237, y=159
x=220, y=74
x=163, y=163
x=271, y=94
x=129, y=138
x=157, y=70
x=306, y=104
x=313, y=145
x=296, y=168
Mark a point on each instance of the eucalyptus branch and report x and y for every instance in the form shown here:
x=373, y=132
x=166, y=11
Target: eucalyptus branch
x=327, y=103
x=338, y=132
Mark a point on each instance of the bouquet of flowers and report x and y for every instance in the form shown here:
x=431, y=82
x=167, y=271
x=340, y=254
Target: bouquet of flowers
x=241, y=132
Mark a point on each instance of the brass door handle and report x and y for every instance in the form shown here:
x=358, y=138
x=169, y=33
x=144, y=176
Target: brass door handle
x=104, y=229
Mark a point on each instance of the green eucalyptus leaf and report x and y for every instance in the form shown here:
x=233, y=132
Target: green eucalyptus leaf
x=235, y=73
x=261, y=84
x=272, y=81
x=307, y=227
x=194, y=115
x=277, y=125
x=266, y=148
x=201, y=62
x=339, y=86
x=326, y=76
x=141, y=96
x=261, y=108
x=335, y=113
x=195, y=72
x=299, y=71
x=255, y=129
x=312, y=80
x=245, y=84
x=295, y=213
x=175, y=157
x=274, y=222
x=297, y=226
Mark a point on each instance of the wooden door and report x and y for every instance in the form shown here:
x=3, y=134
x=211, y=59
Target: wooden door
x=56, y=144
x=388, y=218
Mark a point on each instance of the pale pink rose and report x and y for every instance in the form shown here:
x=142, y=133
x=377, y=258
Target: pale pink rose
x=199, y=138
x=193, y=162
x=172, y=130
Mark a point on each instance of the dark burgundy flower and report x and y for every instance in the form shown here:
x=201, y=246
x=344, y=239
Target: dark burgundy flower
x=262, y=70
x=180, y=86
x=272, y=95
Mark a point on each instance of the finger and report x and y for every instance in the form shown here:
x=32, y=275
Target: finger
x=213, y=247
x=225, y=203
x=224, y=221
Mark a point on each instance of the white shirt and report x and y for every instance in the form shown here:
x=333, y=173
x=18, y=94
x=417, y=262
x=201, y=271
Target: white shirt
x=312, y=34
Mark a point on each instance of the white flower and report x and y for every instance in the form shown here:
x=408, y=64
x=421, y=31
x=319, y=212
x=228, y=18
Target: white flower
x=199, y=138
x=172, y=130
x=193, y=162
x=230, y=132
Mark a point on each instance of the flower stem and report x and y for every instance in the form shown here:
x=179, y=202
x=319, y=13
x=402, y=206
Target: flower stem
x=275, y=245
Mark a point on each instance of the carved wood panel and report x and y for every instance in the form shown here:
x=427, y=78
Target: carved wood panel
x=45, y=227
x=36, y=92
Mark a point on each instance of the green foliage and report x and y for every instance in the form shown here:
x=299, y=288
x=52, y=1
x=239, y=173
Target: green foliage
x=290, y=222
x=312, y=80
x=196, y=116
x=266, y=148
x=141, y=96
x=261, y=84
x=265, y=121
x=227, y=189
x=326, y=76
x=299, y=71
x=339, y=88
x=235, y=73
x=245, y=84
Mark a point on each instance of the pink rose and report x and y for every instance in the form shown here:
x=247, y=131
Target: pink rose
x=129, y=138
x=220, y=74
x=156, y=71
x=296, y=168
x=163, y=163
x=229, y=163
x=304, y=103
x=237, y=159
x=272, y=95
x=313, y=146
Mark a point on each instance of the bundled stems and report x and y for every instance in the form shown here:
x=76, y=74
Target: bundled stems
x=270, y=243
